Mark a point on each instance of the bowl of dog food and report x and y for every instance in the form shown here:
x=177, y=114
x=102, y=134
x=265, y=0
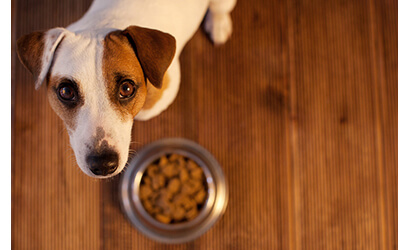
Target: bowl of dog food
x=173, y=190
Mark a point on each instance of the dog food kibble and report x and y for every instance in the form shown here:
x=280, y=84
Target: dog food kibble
x=163, y=218
x=183, y=175
x=173, y=189
x=158, y=181
x=200, y=196
x=145, y=192
x=174, y=185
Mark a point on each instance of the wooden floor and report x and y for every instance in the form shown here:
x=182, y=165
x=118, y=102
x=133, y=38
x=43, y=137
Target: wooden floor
x=299, y=107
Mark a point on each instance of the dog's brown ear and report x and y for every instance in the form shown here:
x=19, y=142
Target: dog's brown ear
x=36, y=51
x=154, y=49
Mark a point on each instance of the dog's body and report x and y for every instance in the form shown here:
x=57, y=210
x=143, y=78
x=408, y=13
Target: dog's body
x=102, y=71
x=180, y=19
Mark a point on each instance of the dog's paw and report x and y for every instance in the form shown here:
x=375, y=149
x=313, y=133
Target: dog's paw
x=218, y=26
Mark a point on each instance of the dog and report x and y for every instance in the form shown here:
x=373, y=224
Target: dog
x=118, y=63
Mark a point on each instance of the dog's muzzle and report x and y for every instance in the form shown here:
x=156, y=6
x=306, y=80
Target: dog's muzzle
x=103, y=163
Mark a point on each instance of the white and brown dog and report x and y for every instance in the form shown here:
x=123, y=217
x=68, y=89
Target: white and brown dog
x=118, y=62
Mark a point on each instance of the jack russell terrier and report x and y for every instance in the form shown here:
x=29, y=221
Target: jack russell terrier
x=119, y=62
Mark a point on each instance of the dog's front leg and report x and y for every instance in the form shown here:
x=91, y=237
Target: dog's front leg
x=218, y=23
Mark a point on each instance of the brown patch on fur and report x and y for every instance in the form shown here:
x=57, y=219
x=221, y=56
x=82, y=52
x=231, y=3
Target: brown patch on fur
x=67, y=113
x=120, y=63
x=154, y=49
x=30, y=50
x=154, y=94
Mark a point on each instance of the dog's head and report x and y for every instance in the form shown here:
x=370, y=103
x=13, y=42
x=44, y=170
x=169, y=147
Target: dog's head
x=97, y=84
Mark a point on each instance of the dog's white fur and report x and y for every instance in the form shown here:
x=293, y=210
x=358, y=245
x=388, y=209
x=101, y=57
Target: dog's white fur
x=80, y=57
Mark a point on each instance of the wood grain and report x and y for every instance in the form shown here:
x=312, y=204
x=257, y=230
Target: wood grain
x=299, y=107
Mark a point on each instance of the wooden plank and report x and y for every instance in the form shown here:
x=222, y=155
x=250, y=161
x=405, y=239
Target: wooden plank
x=384, y=45
x=337, y=198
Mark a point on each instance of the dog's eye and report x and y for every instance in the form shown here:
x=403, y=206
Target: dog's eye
x=66, y=92
x=127, y=89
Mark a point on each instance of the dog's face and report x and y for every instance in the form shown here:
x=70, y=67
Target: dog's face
x=96, y=85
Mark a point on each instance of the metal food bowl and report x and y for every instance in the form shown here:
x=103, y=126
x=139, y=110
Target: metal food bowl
x=211, y=211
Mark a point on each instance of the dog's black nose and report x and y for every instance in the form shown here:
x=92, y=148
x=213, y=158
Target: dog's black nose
x=103, y=163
